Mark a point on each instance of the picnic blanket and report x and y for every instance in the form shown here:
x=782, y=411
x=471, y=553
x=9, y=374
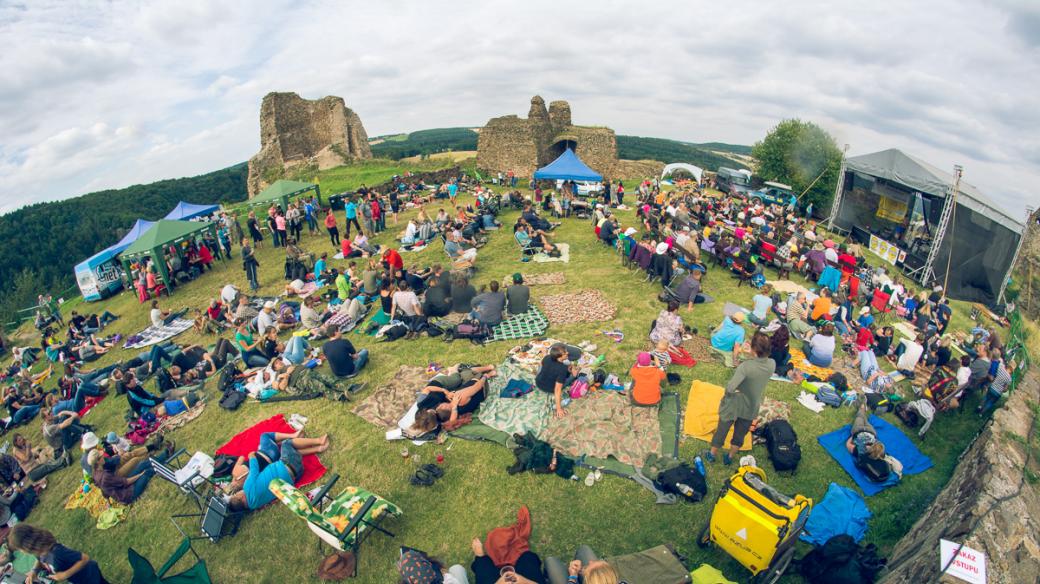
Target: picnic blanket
x=248, y=441
x=173, y=422
x=896, y=444
x=605, y=424
x=565, y=255
x=788, y=287
x=729, y=309
x=800, y=363
x=157, y=334
x=528, y=324
x=529, y=414
x=390, y=401
x=584, y=306
x=107, y=511
x=841, y=512
x=549, y=279
x=702, y=413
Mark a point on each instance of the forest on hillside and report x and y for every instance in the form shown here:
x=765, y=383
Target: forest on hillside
x=43, y=242
x=668, y=151
x=425, y=142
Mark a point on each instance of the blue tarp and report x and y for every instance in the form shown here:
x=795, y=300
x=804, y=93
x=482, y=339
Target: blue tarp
x=842, y=511
x=567, y=167
x=184, y=211
x=896, y=443
x=92, y=275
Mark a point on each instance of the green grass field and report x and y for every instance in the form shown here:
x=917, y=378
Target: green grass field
x=614, y=516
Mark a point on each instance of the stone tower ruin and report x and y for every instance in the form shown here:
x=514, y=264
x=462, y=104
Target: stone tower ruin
x=295, y=131
x=511, y=143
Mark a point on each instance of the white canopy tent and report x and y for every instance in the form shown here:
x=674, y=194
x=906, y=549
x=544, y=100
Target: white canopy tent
x=697, y=172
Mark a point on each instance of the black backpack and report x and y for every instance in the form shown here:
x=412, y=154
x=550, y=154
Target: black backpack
x=782, y=444
x=227, y=377
x=472, y=330
x=395, y=332
x=837, y=379
x=673, y=480
x=232, y=399
x=841, y=561
x=908, y=415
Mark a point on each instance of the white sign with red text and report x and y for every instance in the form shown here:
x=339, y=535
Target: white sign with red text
x=970, y=565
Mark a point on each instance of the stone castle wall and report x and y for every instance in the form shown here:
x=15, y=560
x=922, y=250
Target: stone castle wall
x=295, y=131
x=991, y=469
x=522, y=145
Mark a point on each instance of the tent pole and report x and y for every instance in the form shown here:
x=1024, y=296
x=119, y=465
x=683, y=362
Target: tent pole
x=940, y=231
x=317, y=191
x=160, y=262
x=839, y=190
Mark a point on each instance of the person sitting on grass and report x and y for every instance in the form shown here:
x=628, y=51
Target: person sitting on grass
x=343, y=358
x=728, y=338
x=646, y=381
x=586, y=568
x=763, y=304
x=742, y=399
x=518, y=296
x=527, y=569
x=127, y=489
x=279, y=456
x=252, y=356
x=489, y=306
x=61, y=564
x=868, y=453
x=553, y=375
x=819, y=350
x=436, y=300
x=688, y=292
x=455, y=251
x=668, y=326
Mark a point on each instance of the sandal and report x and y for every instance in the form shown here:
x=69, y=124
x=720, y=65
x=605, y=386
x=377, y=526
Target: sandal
x=434, y=470
x=421, y=478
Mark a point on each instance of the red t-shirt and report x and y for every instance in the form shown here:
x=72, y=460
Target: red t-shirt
x=393, y=259
x=345, y=247
x=214, y=311
x=864, y=339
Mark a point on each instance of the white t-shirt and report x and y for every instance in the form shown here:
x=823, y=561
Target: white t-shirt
x=411, y=230
x=157, y=319
x=264, y=321
x=228, y=294
x=963, y=376
x=407, y=302
x=831, y=255
x=908, y=360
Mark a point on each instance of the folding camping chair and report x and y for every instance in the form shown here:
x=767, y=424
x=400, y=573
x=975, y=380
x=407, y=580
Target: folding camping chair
x=216, y=521
x=189, y=486
x=358, y=511
x=525, y=247
x=145, y=573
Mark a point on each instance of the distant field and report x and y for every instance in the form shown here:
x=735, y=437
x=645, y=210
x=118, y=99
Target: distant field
x=452, y=156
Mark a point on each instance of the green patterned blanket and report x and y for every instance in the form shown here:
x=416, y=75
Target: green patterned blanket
x=521, y=326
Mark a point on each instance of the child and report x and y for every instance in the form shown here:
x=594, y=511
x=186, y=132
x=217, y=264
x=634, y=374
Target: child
x=61, y=563
x=660, y=355
x=646, y=381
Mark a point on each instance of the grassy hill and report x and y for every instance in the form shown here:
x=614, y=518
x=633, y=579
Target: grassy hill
x=668, y=151
x=399, y=146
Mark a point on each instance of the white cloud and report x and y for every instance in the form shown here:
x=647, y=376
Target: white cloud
x=106, y=95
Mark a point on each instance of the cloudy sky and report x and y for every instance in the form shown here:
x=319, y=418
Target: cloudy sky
x=108, y=94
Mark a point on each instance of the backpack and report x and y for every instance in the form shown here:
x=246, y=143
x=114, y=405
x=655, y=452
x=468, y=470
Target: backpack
x=226, y=380
x=669, y=481
x=877, y=470
x=222, y=465
x=908, y=415
x=828, y=395
x=841, y=561
x=232, y=399
x=395, y=332
x=471, y=330
x=782, y=444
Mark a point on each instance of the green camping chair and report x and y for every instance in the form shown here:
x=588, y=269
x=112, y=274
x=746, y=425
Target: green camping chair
x=144, y=572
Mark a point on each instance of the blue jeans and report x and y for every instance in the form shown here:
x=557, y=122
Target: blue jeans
x=24, y=414
x=156, y=356
x=991, y=399
x=144, y=468
x=254, y=358
x=840, y=326
x=79, y=400
x=867, y=363
x=361, y=360
x=296, y=350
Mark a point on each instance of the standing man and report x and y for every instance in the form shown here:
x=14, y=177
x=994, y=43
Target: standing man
x=351, y=210
x=742, y=400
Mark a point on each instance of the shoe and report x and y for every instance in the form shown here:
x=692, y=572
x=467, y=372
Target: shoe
x=434, y=470
x=598, y=474
x=726, y=460
x=707, y=455
x=590, y=480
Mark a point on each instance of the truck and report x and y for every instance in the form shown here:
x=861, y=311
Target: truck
x=773, y=193
x=733, y=182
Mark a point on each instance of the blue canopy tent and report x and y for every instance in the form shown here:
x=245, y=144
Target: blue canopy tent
x=99, y=275
x=184, y=211
x=567, y=167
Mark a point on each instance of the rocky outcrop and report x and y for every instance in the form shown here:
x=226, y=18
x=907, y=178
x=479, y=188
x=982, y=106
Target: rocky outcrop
x=510, y=143
x=323, y=133
x=988, y=504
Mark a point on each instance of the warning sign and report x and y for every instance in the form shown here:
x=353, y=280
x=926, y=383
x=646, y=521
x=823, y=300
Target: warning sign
x=969, y=565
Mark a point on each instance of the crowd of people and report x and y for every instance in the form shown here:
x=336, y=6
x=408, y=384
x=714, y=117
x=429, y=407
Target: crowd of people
x=850, y=312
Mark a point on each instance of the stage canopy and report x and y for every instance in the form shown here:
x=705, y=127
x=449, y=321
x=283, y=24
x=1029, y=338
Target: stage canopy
x=900, y=199
x=567, y=167
x=185, y=211
x=696, y=171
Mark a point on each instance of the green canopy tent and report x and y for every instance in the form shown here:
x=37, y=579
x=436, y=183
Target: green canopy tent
x=283, y=190
x=164, y=233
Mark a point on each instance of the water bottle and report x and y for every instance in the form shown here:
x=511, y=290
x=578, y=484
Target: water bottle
x=684, y=489
x=697, y=462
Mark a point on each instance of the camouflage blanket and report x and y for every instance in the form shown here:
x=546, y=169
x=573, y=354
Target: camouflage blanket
x=604, y=424
x=529, y=414
x=528, y=324
x=549, y=279
x=390, y=401
x=584, y=306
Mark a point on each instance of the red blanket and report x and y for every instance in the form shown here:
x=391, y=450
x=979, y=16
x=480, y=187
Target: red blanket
x=248, y=441
x=88, y=404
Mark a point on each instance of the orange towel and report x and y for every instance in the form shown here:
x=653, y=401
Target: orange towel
x=505, y=544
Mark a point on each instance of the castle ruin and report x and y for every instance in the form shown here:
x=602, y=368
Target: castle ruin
x=294, y=132
x=511, y=143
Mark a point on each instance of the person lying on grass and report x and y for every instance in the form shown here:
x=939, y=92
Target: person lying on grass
x=868, y=452
x=279, y=456
x=455, y=392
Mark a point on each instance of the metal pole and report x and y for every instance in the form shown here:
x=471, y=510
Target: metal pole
x=839, y=190
x=940, y=230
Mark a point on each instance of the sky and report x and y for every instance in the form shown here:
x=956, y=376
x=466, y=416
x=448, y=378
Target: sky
x=100, y=95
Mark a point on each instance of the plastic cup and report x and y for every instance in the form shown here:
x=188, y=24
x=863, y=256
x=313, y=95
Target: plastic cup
x=404, y=453
x=440, y=458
